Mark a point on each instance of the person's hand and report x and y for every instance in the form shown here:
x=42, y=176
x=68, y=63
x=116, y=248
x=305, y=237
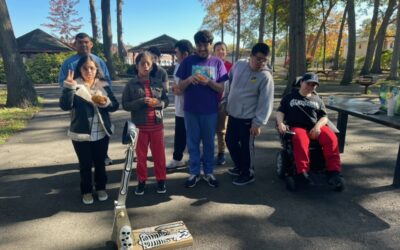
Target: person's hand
x=201, y=79
x=70, y=78
x=99, y=100
x=314, y=132
x=176, y=90
x=151, y=102
x=255, y=131
x=282, y=128
x=192, y=80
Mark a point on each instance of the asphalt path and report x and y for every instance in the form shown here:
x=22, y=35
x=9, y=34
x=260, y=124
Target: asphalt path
x=41, y=208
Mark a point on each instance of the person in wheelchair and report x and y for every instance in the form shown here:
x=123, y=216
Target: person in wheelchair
x=303, y=111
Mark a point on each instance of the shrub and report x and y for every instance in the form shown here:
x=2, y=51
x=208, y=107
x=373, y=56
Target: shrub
x=2, y=72
x=44, y=68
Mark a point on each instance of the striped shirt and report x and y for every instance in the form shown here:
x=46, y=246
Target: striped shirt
x=150, y=124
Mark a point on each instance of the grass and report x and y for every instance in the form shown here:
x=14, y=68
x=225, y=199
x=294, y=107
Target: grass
x=13, y=120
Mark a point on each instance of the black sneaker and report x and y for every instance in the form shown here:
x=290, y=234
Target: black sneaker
x=336, y=180
x=192, y=180
x=221, y=159
x=244, y=180
x=211, y=180
x=161, y=188
x=234, y=171
x=140, y=188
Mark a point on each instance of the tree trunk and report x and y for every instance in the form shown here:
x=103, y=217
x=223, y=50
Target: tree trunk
x=396, y=50
x=95, y=29
x=121, y=49
x=371, y=45
x=261, y=27
x=237, y=30
x=273, y=35
x=376, y=66
x=339, y=42
x=297, y=43
x=107, y=36
x=20, y=90
x=351, y=50
x=315, y=42
x=222, y=32
x=324, y=40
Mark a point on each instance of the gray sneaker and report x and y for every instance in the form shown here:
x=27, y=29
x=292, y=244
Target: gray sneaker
x=211, y=180
x=192, y=180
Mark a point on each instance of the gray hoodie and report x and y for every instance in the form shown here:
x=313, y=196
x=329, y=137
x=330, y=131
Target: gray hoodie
x=249, y=94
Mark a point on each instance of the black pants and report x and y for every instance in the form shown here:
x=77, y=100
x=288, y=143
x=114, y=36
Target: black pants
x=92, y=153
x=179, y=138
x=240, y=144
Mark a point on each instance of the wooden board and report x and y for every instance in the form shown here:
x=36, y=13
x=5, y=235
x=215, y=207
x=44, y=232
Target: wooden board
x=167, y=236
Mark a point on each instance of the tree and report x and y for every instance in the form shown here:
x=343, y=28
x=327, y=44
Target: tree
x=238, y=13
x=93, y=18
x=218, y=14
x=62, y=18
x=351, y=49
x=321, y=27
x=107, y=36
x=339, y=41
x=370, y=46
x=396, y=50
x=121, y=48
x=380, y=39
x=261, y=27
x=20, y=91
x=297, y=43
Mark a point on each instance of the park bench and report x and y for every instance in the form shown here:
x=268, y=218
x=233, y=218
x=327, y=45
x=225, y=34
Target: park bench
x=366, y=81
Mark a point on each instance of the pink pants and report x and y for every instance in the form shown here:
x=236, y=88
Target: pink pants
x=327, y=139
x=156, y=141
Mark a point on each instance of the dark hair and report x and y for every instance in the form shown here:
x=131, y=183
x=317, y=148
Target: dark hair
x=184, y=46
x=82, y=61
x=219, y=44
x=203, y=36
x=260, y=47
x=82, y=36
x=139, y=58
x=154, y=50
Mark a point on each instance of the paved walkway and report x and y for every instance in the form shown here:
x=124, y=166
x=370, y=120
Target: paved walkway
x=40, y=206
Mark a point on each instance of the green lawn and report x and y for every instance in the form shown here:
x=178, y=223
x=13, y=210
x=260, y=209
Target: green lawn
x=13, y=119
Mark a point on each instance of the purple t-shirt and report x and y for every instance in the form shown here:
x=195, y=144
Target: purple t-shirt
x=201, y=99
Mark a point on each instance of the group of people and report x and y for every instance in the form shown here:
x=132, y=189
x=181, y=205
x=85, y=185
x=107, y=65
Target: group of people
x=212, y=96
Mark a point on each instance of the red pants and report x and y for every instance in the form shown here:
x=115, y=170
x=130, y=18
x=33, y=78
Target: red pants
x=156, y=141
x=327, y=139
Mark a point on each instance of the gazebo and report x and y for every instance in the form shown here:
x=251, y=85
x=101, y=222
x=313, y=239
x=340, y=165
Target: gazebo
x=38, y=41
x=164, y=43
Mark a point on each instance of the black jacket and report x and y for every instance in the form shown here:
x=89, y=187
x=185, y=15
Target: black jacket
x=78, y=101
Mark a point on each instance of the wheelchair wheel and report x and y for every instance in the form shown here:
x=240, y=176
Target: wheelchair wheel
x=290, y=183
x=282, y=163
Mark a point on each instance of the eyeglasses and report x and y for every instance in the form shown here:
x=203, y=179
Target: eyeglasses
x=260, y=59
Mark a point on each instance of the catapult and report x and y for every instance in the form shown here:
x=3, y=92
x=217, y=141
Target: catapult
x=167, y=236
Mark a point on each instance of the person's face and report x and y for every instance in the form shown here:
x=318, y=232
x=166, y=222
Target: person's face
x=88, y=71
x=203, y=49
x=308, y=87
x=83, y=45
x=257, y=61
x=144, y=66
x=221, y=51
x=179, y=55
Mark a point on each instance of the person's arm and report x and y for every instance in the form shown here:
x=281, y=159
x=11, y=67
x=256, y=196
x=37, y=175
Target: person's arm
x=322, y=121
x=280, y=117
x=218, y=87
x=265, y=104
x=128, y=103
x=106, y=73
x=62, y=75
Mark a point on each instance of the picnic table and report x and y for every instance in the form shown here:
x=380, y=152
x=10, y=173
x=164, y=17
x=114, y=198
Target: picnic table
x=366, y=81
x=346, y=108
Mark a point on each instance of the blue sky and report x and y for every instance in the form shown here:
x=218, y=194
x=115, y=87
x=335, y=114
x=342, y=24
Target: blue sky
x=142, y=19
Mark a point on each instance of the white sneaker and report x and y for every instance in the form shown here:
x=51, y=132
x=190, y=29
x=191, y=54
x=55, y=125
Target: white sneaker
x=108, y=161
x=102, y=195
x=175, y=164
x=87, y=199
